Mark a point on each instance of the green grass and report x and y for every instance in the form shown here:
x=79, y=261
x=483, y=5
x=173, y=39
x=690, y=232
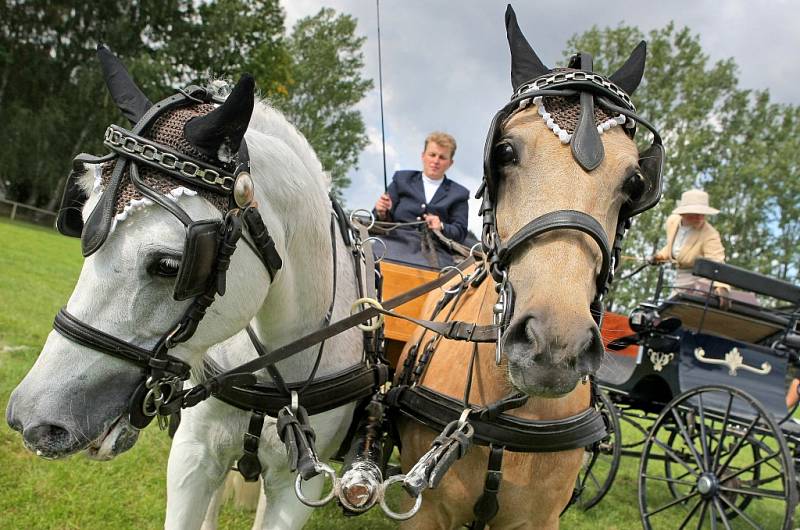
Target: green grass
x=38, y=269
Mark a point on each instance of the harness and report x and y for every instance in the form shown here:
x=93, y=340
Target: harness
x=491, y=425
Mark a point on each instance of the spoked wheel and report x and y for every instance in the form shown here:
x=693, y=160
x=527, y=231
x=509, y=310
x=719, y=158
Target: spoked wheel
x=712, y=453
x=598, y=473
x=676, y=474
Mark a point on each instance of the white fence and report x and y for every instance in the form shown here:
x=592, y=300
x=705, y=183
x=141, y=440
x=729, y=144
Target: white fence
x=22, y=212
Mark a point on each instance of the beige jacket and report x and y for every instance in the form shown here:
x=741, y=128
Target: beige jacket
x=703, y=243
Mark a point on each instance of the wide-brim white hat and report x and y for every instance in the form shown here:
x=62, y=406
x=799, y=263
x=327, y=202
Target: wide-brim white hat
x=694, y=201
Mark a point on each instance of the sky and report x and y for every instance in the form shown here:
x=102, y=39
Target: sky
x=446, y=64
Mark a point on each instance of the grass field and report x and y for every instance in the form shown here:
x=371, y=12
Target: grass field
x=38, y=269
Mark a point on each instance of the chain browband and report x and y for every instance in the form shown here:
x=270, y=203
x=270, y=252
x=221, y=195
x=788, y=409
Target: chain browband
x=178, y=165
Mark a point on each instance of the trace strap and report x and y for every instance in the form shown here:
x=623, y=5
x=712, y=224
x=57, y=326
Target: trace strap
x=244, y=374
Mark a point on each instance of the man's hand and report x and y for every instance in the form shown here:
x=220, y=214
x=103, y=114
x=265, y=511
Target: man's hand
x=655, y=259
x=432, y=221
x=383, y=206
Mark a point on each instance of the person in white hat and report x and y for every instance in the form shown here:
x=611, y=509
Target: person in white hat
x=690, y=236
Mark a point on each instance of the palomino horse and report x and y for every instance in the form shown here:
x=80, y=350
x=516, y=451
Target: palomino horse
x=562, y=177
x=144, y=272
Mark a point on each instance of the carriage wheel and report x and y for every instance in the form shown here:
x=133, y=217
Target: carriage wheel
x=597, y=476
x=717, y=465
x=676, y=474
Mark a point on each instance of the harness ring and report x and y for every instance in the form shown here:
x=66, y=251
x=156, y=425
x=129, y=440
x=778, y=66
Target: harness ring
x=375, y=322
x=461, y=275
x=298, y=489
x=371, y=217
x=391, y=513
x=374, y=239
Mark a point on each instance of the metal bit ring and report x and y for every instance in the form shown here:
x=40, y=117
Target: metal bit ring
x=388, y=511
x=298, y=488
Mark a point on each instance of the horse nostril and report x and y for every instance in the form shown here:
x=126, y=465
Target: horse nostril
x=48, y=438
x=531, y=333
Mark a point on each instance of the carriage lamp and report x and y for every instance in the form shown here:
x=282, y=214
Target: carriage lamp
x=643, y=317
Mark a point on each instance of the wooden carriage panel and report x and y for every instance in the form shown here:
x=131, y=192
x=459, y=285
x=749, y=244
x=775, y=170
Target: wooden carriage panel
x=398, y=279
x=720, y=322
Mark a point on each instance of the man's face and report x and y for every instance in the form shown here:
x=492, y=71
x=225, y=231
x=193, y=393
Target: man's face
x=694, y=220
x=436, y=160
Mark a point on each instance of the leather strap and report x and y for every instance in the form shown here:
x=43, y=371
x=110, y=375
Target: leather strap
x=362, y=316
x=249, y=465
x=486, y=507
x=321, y=395
x=436, y=410
x=85, y=335
x=561, y=220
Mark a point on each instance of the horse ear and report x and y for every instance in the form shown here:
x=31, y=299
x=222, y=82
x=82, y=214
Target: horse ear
x=525, y=64
x=630, y=74
x=223, y=128
x=128, y=97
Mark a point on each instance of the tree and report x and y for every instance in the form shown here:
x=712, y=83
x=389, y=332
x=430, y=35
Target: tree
x=325, y=87
x=54, y=104
x=734, y=143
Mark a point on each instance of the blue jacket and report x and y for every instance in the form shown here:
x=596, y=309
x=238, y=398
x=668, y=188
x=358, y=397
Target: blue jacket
x=449, y=203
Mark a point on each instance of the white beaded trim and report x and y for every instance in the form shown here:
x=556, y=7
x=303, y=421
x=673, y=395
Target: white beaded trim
x=562, y=134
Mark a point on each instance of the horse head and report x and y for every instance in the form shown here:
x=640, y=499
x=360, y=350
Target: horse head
x=563, y=177
x=153, y=217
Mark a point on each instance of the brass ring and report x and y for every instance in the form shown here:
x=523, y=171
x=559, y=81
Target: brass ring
x=375, y=323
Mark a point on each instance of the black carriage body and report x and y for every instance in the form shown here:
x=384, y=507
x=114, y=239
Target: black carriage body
x=655, y=377
x=709, y=373
x=746, y=345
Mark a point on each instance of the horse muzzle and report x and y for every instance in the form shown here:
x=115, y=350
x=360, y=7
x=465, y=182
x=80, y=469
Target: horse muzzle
x=544, y=363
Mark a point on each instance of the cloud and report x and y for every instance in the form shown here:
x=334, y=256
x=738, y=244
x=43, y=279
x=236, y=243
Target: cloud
x=446, y=64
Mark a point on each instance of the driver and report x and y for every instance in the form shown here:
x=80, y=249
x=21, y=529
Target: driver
x=428, y=195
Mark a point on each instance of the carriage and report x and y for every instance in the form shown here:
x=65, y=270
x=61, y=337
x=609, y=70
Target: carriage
x=696, y=388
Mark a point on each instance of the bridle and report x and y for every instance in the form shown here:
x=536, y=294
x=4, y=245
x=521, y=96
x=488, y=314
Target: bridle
x=587, y=150
x=209, y=244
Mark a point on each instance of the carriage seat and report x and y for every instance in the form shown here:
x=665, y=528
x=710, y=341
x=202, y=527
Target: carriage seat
x=744, y=320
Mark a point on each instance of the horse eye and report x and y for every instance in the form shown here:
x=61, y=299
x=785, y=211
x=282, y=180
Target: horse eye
x=634, y=186
x=505, y=154
x=165, y=266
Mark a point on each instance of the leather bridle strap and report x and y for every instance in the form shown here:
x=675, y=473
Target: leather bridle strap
x=560, y=220
x=91, y=337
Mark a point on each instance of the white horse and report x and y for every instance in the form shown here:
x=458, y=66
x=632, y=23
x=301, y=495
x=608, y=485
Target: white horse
x=76, y=399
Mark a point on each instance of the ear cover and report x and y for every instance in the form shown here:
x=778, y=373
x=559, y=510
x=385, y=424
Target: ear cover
x=128, y=97
x=225, y=125
x=630, y=74
x=525, y=64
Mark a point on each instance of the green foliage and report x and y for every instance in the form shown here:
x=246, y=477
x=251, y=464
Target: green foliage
x=54, y=104
x=326, y=85
x=734, y=143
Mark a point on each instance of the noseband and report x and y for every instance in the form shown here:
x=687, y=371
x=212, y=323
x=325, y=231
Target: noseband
x=208, y=247
x=587, y=150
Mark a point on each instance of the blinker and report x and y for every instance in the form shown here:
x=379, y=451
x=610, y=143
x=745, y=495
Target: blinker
x=199, y=257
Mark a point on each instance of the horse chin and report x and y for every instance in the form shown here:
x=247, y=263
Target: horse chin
x=118, y=438
x=547, y=381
